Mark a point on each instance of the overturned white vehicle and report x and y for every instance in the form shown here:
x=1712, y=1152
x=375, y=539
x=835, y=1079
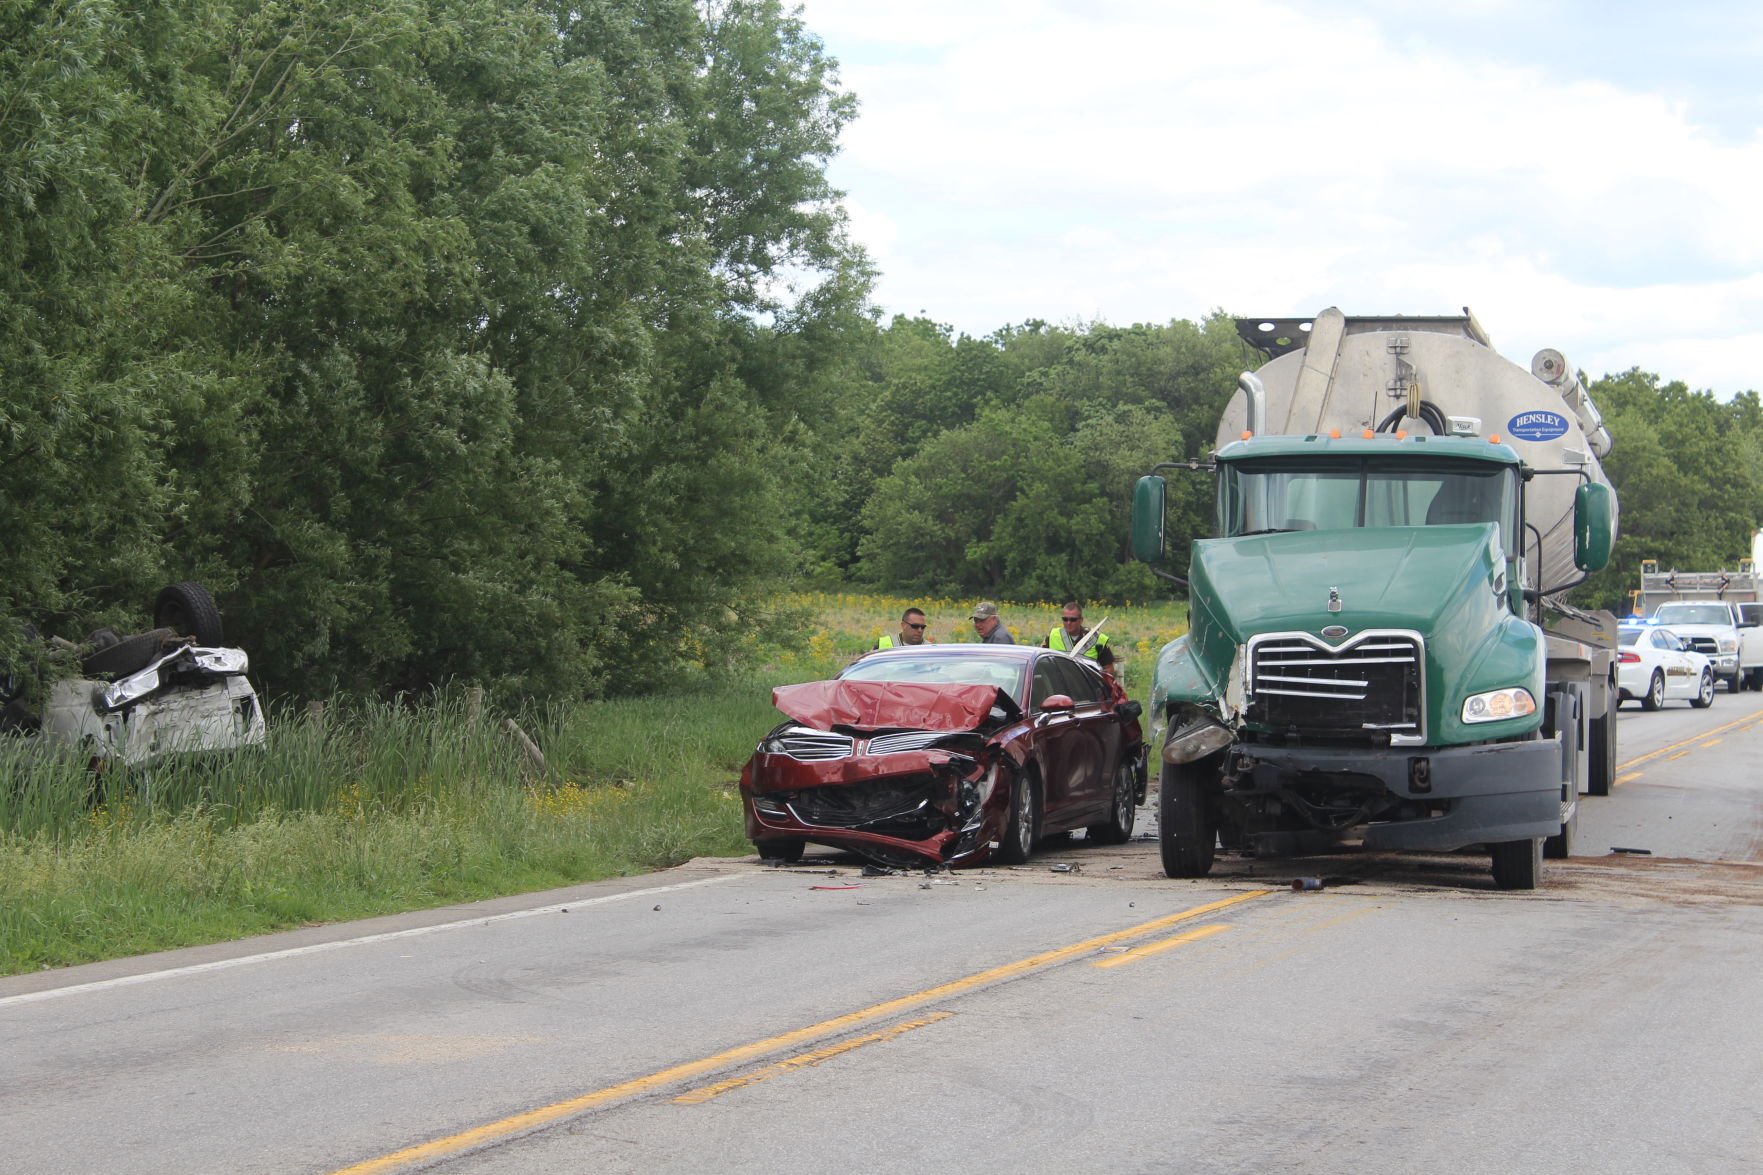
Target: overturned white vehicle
x=175, y=689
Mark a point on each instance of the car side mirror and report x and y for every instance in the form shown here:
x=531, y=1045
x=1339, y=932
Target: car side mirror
x=1129, y=711
x=1056, y=702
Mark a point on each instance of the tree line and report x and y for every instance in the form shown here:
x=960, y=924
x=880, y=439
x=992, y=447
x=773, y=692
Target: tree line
x=523, y=344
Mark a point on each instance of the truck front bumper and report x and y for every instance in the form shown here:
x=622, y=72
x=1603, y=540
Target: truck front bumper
x=1469, y=795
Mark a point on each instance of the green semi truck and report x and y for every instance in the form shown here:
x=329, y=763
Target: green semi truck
x=1378, y=652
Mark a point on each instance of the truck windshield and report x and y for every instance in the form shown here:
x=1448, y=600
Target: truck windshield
x=1297, y=493
x=1693, y=614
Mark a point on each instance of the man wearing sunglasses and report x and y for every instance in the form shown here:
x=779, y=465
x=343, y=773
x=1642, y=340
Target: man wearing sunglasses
x=1070, y=630
x=912, y=629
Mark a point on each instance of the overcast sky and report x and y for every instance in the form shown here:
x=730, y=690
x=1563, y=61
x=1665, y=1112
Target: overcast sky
x=1584, y=176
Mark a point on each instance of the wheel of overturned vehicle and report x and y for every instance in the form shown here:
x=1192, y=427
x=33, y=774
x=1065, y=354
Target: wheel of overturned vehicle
x=187, y=609
x=103, y=638
x=1117, y=829
x=1187, y=826
x=126, y=655
x=785, y=849
x=1024, y=823
x=1518, y=864
x=1654, y=698
x=1704, y=692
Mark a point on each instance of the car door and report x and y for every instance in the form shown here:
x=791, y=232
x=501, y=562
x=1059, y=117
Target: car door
x=1058, y=738
x=1096, y=746
x=1682, y=677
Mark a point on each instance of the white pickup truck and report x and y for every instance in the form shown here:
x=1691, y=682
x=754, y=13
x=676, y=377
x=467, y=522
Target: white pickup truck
x=1728, y=633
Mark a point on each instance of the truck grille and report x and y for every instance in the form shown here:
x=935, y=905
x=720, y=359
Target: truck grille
x=1375, y=682
x=1703, y=644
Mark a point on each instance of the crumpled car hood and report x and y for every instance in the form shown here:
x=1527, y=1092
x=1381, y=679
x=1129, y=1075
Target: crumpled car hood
x=893, y=705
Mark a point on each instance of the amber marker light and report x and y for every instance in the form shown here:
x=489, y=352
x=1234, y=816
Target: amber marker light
x=1334, y=434
x=1247, y=434
x=1369, y=434
x=1401, y=434
x=1494, y=439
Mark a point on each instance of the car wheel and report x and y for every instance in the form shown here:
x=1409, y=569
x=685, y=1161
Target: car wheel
x=126, y=655
x=1654, y=698
x=785, y=849
x=1025, y=817
x=1117, y=830
x=188, y=610
x=1705, y=692
x=1187, y=828
x=1518, y=864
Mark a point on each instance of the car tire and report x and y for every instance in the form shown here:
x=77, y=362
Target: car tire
x=785, y=849
x=127, y=655
x=1704, y=692
x=1654, y=698
x=1123, y=812
x=188, y=610
x=1022, y=829
x=1517, y=864
x=1187, y=826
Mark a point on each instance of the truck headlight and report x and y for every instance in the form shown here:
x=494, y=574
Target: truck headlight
x=1498, y=705
x=1727, y=645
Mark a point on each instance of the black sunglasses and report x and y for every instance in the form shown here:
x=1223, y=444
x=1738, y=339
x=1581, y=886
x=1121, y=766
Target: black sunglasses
x=911, y=625
x=1069, y=619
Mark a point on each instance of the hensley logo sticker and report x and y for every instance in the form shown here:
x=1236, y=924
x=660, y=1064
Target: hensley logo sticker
x=1537, y=426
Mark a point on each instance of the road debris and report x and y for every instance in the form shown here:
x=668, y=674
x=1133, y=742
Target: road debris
x=1634, y=852
x=833, y=887
x=1306, y=884
x=1065, y=867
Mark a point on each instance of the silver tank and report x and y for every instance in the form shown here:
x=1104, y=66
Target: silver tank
x=1438, y=375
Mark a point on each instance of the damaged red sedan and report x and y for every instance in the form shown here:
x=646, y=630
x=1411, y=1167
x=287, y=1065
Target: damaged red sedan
x=946, y=755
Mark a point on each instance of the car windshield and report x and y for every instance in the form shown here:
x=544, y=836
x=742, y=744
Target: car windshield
x=941, y=670
x=1277, y=493
x=1693, y=614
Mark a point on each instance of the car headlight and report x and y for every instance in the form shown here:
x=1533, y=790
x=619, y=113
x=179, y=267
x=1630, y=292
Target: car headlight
x=1498, y=705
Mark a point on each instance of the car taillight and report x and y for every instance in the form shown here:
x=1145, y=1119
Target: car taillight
x=1628, y=658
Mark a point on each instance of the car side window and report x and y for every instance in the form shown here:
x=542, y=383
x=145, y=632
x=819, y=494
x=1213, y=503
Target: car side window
x=1074, y=681
x=1045, y=686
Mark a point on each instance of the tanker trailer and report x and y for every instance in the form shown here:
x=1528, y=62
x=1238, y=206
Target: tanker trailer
x=1378, y=653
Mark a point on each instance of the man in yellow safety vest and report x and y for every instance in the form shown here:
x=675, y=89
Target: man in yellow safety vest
x=1071, y=630
x=912, y=626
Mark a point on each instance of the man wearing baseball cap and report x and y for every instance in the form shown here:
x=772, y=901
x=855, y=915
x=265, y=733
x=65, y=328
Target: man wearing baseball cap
x=991, y=630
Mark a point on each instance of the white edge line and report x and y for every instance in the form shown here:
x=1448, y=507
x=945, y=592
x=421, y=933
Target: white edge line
x=30, y=997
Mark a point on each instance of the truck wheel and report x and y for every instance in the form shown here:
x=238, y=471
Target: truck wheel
x=785, y=849
x=1755, y=678
x=1654, y=698
x=1187, y=827
x=1602, y=745
x=1518, y=864
x=1117, y=829
x=188, y=610
x=1705, y=692
x=1560, y=846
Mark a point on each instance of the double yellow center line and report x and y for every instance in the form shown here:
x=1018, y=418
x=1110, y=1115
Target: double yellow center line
x=520, y=1123
x=1682, y=747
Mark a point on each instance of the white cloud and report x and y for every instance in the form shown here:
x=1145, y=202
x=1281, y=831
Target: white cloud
x=1145, y=161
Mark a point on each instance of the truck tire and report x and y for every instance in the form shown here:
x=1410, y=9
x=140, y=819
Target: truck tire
x=1735, y=683
x=1754, y=677
x=1560, y=846
x=1123, y=812
x=1601, y=777
x=1187, y=824
x=1654, y=698
x=1518, y=864
x=1705, y=692
x=188, y=610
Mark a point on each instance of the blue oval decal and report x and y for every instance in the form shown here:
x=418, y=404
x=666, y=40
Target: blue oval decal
x=1537, y=426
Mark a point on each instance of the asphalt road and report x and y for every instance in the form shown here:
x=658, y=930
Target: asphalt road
x=726, y=1016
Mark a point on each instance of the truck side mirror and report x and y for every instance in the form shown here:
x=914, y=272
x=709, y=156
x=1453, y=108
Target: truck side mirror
x=1147, y=519
x=1594, y=526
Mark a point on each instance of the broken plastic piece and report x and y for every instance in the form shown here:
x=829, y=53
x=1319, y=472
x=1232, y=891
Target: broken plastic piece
x=1305, y=884
x=1636, y=852
x=1063, y=867
x=835, y=887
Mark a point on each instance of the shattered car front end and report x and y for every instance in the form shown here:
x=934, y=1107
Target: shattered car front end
x=902, y=773
x=187, y=699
